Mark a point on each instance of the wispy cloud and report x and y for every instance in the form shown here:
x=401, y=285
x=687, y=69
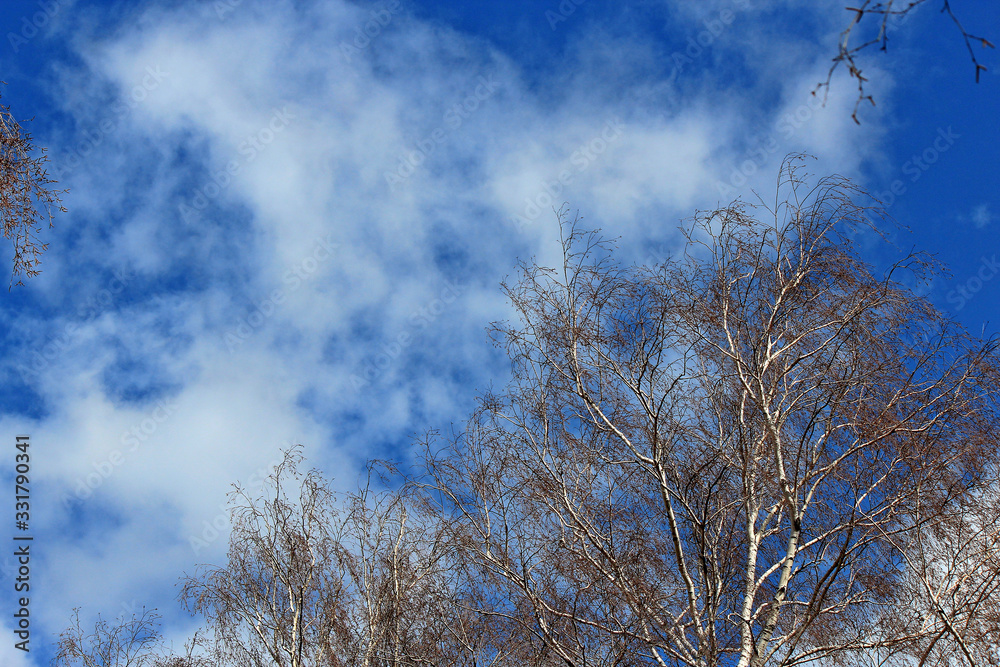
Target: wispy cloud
x=279, y=287
x=981, y=216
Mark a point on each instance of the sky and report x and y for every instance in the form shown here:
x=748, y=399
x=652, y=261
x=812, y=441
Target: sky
x=288, y=221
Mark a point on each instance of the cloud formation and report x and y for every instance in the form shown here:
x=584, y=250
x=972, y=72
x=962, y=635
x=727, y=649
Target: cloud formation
x=290, y=221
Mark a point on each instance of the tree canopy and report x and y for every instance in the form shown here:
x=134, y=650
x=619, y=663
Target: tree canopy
x=760, y=451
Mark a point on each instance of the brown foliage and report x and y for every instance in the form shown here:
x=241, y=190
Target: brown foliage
x=316, y=581
x=25, y=187
x=131, y=642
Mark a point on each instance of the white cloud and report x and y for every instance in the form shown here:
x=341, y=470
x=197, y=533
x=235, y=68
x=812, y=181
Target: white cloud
x=982, y=215
x=306, y=324
x=9, y=655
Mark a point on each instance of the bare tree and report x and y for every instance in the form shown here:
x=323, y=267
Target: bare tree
x=25, y=187
x=886, y=16
x=131, y=642
x=315, y=581
x=955, y=597
x=720, y=460
x=760, y=452
x=407, y=607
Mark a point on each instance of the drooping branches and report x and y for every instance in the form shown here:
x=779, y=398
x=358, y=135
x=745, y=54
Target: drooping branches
x=887, y=15
x=759, y=452
x=26, y=197
x=724, y=459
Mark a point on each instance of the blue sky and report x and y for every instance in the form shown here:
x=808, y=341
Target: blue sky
x=283, y=230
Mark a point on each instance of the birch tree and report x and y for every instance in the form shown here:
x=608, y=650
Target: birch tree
x=133, y=641
x=759, y=452
x=27, y=198
x=727, y=459
x=955, y=569
x=313, y=580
